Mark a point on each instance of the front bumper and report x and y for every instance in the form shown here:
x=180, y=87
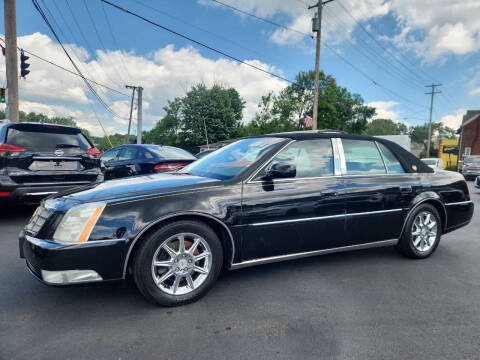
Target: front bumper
x=471, y=173
x=59, y=264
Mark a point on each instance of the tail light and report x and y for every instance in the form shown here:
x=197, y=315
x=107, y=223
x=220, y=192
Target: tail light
x=93, y=151
x=169, y=166
x=7, y=148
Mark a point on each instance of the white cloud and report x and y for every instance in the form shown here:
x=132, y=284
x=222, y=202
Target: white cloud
x=384, y=110
x=454, y=121
x=433, y=31
x=475, y=91
x=164, y=74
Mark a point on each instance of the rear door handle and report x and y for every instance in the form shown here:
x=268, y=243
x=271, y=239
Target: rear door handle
x=333, y=193
x=405, y=189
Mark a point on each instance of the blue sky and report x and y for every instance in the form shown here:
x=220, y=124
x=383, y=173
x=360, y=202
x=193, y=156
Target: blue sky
x=406, y=44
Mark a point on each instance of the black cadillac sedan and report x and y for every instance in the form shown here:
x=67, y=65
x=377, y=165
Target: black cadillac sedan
x=258, y=200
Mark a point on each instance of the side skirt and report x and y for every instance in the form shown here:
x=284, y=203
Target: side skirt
x=273, y=259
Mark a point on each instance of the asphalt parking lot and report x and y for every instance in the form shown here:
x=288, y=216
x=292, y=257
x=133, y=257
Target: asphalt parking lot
x=370, y=304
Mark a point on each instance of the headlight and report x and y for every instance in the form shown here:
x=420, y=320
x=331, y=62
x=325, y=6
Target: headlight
x=77, y=224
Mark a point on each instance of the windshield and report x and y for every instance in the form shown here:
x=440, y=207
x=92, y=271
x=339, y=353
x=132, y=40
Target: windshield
x=430, y=161
x=231, y=160
x=473, y=160
x=170, y=153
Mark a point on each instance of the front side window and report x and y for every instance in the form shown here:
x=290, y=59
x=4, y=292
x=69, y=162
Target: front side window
x=312, y=158
x=391, y=161
x=362, y=157
x=231, y=160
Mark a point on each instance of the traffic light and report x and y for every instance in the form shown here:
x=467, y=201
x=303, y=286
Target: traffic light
x=23, y=64
x=2, y=95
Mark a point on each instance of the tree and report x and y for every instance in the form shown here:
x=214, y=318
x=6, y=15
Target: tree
x=338, y=108
x=385, y=127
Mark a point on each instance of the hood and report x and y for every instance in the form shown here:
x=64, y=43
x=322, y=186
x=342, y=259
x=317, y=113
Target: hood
x=137, y=186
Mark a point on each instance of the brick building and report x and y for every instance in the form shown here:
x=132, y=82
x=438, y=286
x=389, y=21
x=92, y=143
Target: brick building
x=470, y=136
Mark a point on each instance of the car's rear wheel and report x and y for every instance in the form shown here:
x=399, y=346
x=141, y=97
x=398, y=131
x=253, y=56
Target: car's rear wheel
x=178, y=263
x=422, y=232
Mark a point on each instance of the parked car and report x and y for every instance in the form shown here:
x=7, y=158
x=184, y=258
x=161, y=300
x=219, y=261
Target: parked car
x=471, y=167
x=434, y=163
x=203, y=153
x=130, y=160
x=37, y=160
x=258, y=200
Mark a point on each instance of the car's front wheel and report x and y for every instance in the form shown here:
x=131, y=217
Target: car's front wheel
x=422, y=233
x=178, y=263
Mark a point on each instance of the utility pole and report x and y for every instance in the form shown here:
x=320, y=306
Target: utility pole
x=433, y=92
x=11, y=59
x=127, y=138
x=317, y=27
x=139, y=115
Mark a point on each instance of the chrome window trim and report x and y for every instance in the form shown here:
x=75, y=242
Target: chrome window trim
x=337, y=167
x=272, y=259
x=343, y=162
x=459, y=203
x=381, y=155
x=325, y=217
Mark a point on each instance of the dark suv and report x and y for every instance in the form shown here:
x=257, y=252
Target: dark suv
x=41, y=159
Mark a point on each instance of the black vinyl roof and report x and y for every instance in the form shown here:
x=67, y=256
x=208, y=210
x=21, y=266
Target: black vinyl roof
x=410, y=162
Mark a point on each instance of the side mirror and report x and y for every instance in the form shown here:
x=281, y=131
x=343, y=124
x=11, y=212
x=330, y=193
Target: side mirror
x=281, y=171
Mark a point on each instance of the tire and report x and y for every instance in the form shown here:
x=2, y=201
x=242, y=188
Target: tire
x=181, y=264
x=422, y=245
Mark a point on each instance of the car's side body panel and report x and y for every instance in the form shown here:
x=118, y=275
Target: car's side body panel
x=261, y=220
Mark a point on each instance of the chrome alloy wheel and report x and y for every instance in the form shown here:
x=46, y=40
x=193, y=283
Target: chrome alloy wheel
x=424, y=231
x=181, y=263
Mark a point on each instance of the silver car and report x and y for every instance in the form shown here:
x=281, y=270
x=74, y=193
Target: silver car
x=471, y=167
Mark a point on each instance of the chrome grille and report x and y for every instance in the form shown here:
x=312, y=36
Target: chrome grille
x=38, y=219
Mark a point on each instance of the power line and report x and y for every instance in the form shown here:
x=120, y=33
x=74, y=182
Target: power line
x=72, y=48
x=343, y=58
x=115, y=41
x=376, y=41
x=178, y=19
x=87, y=43
x=261, y=19
x=44, y=17
x=101, y=42
x=69, y=71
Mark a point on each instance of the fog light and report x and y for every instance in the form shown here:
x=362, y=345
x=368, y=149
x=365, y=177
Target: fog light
x=70, y=276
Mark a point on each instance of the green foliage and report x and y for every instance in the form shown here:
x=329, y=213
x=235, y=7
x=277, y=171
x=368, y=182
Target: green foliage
x=216, y=111
x=385, y=127
x=337, y=108
x=420, y=133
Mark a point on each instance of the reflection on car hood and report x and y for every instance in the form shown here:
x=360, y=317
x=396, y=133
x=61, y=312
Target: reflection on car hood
x=137, y=186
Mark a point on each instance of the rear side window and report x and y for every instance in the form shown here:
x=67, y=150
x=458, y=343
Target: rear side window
x=312, y=158
x=170, y=153
x=362, y=157
x=128, y=153
x=47, y=139
x=391, y=161
x=110, y=155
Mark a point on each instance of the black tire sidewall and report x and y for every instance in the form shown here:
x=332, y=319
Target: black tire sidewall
x=407, y=237
x=143, y=261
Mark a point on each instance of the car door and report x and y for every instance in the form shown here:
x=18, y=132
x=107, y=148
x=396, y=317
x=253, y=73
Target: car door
x=295, y=215
x=377, y=191
x=127, y=162
x=109, y=161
